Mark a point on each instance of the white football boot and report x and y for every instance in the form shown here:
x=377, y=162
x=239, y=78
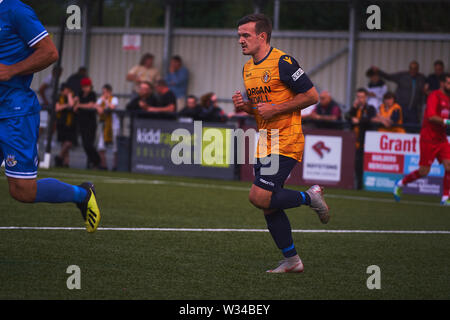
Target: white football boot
x=318, y=203
x=289, y=265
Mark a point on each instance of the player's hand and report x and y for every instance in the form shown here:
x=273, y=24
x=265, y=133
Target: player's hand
x=266, y=110
x=6, y=72
x=238, y=101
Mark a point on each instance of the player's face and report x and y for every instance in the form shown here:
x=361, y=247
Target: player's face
x=248, y=39
x=447, y=85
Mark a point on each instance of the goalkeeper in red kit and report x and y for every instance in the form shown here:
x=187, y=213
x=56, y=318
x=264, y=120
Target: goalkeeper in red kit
x=433, y=139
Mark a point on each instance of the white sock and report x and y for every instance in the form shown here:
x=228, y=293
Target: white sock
x=444, y=198
x=400, y=183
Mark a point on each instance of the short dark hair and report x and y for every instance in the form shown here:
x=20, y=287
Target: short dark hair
x=108, y=87
x=191, y=96
x=439, y=62
x=148, y=83
x=262, y=23
x=388, y=95
x=145, y=57
x=362, y=90
x=161, y=83
x=177, y=58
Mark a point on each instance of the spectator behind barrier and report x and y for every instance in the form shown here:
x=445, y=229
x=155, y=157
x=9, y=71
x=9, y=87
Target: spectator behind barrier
x=376, y=88
x=432, y=82
x=327, y=112
x=144, y=100
x=177, y=80
x=74, y=81
x=86, y=110
x=192, y=109
x=390, y=115
x=66, y=125
x=143, y=72
x=360, y=116
x=210, y=111
x=166, y=100
x=110, y=125
x=409, y=92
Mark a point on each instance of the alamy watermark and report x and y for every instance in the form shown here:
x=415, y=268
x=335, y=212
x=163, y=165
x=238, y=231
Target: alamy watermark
x=374, y=280
x=73, y=21
x=74, y=280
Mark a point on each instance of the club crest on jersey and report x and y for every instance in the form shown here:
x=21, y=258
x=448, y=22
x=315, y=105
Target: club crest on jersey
x=266, y=76
x=11, y=160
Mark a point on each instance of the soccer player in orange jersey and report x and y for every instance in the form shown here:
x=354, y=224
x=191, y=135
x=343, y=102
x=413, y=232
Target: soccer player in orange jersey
x=277, y=89
x=433, y=140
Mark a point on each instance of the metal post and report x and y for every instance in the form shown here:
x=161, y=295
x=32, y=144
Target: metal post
x=128, y=15
x=85, y=36
x=351, y=61
x=256, y=6
x=167, y=37
x=276, y=15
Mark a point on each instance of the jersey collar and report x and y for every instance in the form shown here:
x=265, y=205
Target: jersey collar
x=262, y=60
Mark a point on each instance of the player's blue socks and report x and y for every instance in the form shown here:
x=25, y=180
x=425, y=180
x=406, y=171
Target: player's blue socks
x=280, y=229
x=286, y=199
x=54, y=191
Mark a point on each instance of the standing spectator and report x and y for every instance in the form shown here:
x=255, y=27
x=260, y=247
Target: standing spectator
x=144, y=71
x=87, y=121
x=390, y=115
x=410, y=91
x=432, y=82
x=46, y=88
x=326, y=112
x=144, y=100
x=376, y=88
x=210, y=111
x=177, y=80
x=74, y=81
x=361, y=115
x=106, y=104
x=192, y=109
x=65, y=124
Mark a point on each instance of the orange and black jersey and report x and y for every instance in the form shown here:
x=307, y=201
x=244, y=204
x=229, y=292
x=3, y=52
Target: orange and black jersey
x=275, y=79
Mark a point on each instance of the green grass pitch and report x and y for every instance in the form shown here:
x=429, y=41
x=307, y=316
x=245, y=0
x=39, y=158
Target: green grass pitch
x=218, y=265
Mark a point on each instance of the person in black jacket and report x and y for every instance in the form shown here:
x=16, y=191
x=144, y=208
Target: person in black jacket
x=360, y=116
x=192, y=109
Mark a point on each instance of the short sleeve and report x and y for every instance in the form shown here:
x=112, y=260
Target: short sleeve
x=432, y=103
x=28, y=26
x=292, y=75
x=115, y=101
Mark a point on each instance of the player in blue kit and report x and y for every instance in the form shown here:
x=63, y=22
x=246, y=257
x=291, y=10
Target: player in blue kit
x=25, y=48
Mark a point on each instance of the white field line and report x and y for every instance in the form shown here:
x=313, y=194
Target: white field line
x=118, y=180
x=233, y=230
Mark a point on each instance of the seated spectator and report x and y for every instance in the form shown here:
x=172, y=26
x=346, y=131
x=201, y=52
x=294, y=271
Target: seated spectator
x=177, y=80
x=376, y=88
x=143, y=72
x=409, y=92
x=144, y=100
x=192, y=109
x=65, y=125
x=390, y=115
x=360, y=116
x=432, y=82
x=110, y=123
x=210, y=111
x=325, y=112
x=86, y=110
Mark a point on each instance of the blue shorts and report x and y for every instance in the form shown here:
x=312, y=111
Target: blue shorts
x=18, y=145
x=273, y=181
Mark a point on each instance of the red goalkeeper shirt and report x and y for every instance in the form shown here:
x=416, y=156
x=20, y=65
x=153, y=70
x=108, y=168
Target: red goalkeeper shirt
x=438, y=104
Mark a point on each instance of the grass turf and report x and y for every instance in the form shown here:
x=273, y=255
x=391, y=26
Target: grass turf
x=218, y=265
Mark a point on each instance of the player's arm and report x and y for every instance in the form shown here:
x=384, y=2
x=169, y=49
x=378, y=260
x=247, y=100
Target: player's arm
x=44, y=55
x=431, y=111
x=293, y=76
x=242, y=105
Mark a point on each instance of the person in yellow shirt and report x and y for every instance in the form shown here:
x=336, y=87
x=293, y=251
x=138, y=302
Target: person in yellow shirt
x=144, y=71
x=277, y=89
x=390, y=115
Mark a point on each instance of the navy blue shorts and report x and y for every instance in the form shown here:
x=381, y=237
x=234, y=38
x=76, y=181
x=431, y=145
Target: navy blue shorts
x=268, y=175
x=18, y=146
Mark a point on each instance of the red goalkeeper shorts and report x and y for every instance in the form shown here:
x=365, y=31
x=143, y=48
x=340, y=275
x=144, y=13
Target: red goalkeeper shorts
x=432, y=150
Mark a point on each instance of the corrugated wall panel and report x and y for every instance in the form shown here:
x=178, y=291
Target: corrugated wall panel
x=215, y=63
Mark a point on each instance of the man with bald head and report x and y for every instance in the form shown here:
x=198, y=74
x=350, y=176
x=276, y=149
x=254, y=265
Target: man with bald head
x=327, y=111
x=409, y=92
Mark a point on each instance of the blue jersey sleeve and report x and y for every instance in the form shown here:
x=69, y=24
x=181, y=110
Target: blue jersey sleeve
x=292, y=75
x=27, y=25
